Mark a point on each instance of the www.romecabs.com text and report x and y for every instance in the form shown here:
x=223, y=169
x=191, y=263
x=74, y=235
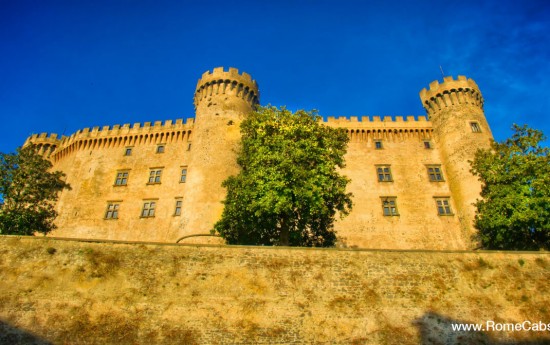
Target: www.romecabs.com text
x=489, y=325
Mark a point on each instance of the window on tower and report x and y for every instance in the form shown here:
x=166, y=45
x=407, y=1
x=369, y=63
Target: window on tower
x=389, y=206
x=384, y=173
x=443, y=206
x=434, y=173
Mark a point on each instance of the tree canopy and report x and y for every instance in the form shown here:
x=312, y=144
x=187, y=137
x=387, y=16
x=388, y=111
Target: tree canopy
x=28, y=190
x=514, y=212
x=289, y=188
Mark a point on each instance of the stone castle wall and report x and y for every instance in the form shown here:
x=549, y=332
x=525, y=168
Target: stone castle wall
x=59, y=291
x=206, y=147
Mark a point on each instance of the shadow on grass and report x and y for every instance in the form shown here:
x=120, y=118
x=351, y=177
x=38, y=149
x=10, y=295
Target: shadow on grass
x=15, y=336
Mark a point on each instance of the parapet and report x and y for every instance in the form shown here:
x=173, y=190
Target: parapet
x=117, y=134
x=450, y=92
x=229, y=83
x=46, y=144
x=377, y=121
x=43, y=139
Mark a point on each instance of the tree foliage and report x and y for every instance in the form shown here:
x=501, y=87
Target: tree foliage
x=514, y=212
x=28, y=190
x=289, y=189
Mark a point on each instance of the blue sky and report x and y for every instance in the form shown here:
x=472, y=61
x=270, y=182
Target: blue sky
x=66, y=65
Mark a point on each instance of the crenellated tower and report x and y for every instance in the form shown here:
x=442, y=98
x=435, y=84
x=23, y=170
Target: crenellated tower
x=45, y=144
x=222, y=99
x=455, y=108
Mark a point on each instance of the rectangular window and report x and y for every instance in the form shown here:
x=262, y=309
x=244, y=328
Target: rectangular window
x=177, y=211
x=378, y=144
x=154, y=176
x=183, y=177
x=435, y=173
x=112, y=210
x=160, y=149
x=121, y=178
x=443, y=206
x=389, y=206
x=189, y=147
x=427, y=144
x=128, y=151
x=148, y=209
x=384, y=173
x=475, y=127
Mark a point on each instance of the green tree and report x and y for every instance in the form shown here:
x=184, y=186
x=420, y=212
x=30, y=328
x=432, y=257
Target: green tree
x=289, y=188
x=28, y=191
x=514, y=212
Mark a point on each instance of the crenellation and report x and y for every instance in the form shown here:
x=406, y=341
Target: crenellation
x=230, y=83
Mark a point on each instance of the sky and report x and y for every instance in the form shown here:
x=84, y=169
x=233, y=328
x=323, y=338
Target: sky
x=67, y=65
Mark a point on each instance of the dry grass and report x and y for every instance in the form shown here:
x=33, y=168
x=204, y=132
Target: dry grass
x=191, y=295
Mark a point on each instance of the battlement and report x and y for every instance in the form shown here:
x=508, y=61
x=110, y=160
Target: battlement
x=45, y=143
x=228, y=82
x=50, y=138
x=106, y=136
x=374, y=119
x=231, y=74
x=136, y=128
x=378, y=122
x=450, y=92
x=367, y=128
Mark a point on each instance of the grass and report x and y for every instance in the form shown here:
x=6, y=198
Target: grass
x=187, y=295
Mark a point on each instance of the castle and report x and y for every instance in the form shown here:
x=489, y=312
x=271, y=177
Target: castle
x=410, y=177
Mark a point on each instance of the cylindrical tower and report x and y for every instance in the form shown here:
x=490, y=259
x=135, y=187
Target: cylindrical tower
x=45, y=144
x=455, y=108
x=221, y=100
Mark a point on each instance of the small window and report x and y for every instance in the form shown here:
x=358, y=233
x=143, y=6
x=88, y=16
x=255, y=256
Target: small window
x=427, y=144
x=189, y=147
x=435, y=173
x=177, y=211
x=183, y=177
x=154, y=176
x=384, y=173
x=160, y=149
x=148, y=209
x=378, y=144
x=475, y=127
x=112, y=211
x=443, y=206
x=389, y=206
x=128, y=151
x=121, y=178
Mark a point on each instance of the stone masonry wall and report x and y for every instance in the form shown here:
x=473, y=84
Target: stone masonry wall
x=74, y=292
